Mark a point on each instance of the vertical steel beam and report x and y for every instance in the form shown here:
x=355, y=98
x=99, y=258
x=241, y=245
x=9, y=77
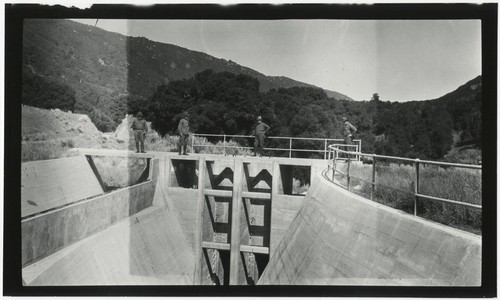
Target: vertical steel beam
x=325, y=148
x=417, y=181
x=373, y=179
x=348, y=171
x=224, y=144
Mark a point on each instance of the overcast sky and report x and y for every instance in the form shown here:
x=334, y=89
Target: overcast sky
x=400, y=60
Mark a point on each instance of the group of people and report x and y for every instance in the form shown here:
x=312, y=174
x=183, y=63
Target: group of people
x=140, y=127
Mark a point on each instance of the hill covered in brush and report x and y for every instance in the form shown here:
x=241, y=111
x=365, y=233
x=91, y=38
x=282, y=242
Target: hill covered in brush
x=225, y=103
x=82, y=68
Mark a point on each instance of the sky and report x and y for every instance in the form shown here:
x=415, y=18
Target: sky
x=401, y=60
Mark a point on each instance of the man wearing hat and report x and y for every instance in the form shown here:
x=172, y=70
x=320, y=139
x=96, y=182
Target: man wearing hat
x=260, y=135
x=183, y=133
x=349, y=129
x=140, y=127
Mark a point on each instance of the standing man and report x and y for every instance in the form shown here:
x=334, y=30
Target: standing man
x=140, y=127
x=260, y=135
x=349, y=129
x=183, y=133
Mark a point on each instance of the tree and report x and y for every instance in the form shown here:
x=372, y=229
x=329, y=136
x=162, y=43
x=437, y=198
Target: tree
x=40, y=92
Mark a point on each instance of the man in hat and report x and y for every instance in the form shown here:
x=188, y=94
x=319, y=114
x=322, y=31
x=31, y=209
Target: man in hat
x=349, y=130
x=260, y=135
x=140, y=127
x=183, y=133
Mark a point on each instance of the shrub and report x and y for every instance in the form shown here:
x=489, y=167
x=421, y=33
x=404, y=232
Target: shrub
x=67, y=143
x=169, y=143
x=202, y=145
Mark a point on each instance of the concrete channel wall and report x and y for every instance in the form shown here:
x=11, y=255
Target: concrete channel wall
x=144, y=249
x=48, y=232
x=51, y=183
x=338, y=238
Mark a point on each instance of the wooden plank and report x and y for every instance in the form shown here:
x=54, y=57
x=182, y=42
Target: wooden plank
x=218, y=193
x=254, y=249
x=256, y=195
x=213, y=245
x=235, y=223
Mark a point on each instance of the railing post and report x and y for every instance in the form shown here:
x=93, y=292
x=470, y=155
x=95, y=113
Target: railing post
x=290, y=153
x=325, y=148
x=334, y=164
x=373, y=179
x=224, y=147
x=417, y=180
x=192, y=143
x=348, y=172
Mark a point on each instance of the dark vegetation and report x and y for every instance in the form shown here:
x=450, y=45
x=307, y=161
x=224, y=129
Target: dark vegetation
x=225, y=103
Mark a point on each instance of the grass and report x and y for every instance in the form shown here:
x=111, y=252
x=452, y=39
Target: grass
x=154, y=142
x=170, y=144
x=33, y=150
x=395, y=187
x=43, y=150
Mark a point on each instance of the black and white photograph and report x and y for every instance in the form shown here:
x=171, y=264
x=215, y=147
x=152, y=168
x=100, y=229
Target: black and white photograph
x=293, y=150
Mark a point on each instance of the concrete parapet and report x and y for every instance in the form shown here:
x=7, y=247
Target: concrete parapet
x=51, y=183
x=340, y=238
x=46, y=233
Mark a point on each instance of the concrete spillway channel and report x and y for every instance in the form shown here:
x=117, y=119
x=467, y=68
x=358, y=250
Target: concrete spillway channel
x=216, y=220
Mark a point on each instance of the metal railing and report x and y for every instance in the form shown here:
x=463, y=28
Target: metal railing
x=226, y=137
x=333, y=154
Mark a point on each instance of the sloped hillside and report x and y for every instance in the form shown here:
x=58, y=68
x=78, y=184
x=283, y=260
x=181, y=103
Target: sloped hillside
x=85, y=69
x=48, y=134
x=40, y=124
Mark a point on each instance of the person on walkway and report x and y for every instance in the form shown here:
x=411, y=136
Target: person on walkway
x=349, y=130
x=260, y=135
x=140, y=127
x=183, y=133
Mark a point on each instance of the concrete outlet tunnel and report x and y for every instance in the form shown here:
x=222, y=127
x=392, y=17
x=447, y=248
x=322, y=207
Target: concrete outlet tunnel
x=220, y=220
